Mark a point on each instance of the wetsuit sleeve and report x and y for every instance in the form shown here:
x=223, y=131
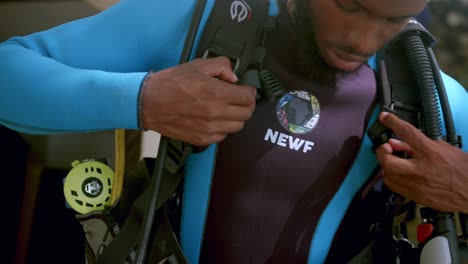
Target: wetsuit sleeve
x=86, y=75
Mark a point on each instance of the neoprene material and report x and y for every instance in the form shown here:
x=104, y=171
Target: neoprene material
x=88, y=72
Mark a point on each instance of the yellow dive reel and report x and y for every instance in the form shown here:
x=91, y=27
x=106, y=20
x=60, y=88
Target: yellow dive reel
x=91, y=185
x=88, y=186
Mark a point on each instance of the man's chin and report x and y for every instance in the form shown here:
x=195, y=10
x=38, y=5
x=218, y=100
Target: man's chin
x=315, y=61
x=347, y=66
x=336, y=60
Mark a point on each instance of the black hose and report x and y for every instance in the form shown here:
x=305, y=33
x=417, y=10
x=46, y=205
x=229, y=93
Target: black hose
x=423, y=69
x=271, y=88
x=421, y=66
x=451, y=135
x=149, y=218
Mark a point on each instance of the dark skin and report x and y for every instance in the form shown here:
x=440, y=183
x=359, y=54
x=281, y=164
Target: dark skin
x=358, y=29
x=436, y=175
x=199, y=103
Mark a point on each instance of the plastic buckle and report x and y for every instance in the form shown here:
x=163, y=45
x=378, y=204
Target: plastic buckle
x=377, y=132
x=209, y=53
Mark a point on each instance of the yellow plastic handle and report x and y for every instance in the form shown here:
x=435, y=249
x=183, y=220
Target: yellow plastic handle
x=119, y=171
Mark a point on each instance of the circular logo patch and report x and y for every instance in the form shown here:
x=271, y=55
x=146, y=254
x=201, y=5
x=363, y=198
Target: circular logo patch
x=298, y=112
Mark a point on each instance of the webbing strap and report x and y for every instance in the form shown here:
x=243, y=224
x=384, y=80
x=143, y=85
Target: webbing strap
x=398, y=91
x=404, y=92
x=396, y=94
x=177, y=153
x=125, y=242
x=165, y=244
x=234, y=30
x=238, y=31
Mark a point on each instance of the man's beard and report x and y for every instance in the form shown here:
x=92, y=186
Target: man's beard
x=310, y=61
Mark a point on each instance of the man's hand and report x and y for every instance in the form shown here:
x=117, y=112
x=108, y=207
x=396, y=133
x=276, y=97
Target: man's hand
x=436, y=175
x=196, y=102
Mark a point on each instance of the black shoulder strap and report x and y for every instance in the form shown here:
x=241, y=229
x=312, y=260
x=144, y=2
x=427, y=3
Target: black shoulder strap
x=411, y=86
x=237, y=29
x=234, y=29
x=399, y=84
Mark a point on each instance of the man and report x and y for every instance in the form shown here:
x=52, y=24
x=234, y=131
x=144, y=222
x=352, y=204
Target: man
x=278, y=191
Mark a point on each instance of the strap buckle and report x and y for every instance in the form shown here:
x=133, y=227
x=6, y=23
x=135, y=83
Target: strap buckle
x=377, y=132
x=211, y=52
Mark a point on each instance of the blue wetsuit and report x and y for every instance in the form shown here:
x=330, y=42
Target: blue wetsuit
x=86, y=76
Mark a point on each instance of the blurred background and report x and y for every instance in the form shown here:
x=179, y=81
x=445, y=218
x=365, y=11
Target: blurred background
x=449, y=24
x=33, y=167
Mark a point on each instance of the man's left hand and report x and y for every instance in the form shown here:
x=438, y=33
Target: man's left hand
x=436, y=175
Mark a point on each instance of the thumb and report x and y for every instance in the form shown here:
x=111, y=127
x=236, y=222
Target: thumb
x=404, y=130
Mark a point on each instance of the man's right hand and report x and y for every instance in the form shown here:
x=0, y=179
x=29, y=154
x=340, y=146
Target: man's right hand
x=197, y=102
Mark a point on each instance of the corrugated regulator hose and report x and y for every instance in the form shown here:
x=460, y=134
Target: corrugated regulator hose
x=422, y=68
